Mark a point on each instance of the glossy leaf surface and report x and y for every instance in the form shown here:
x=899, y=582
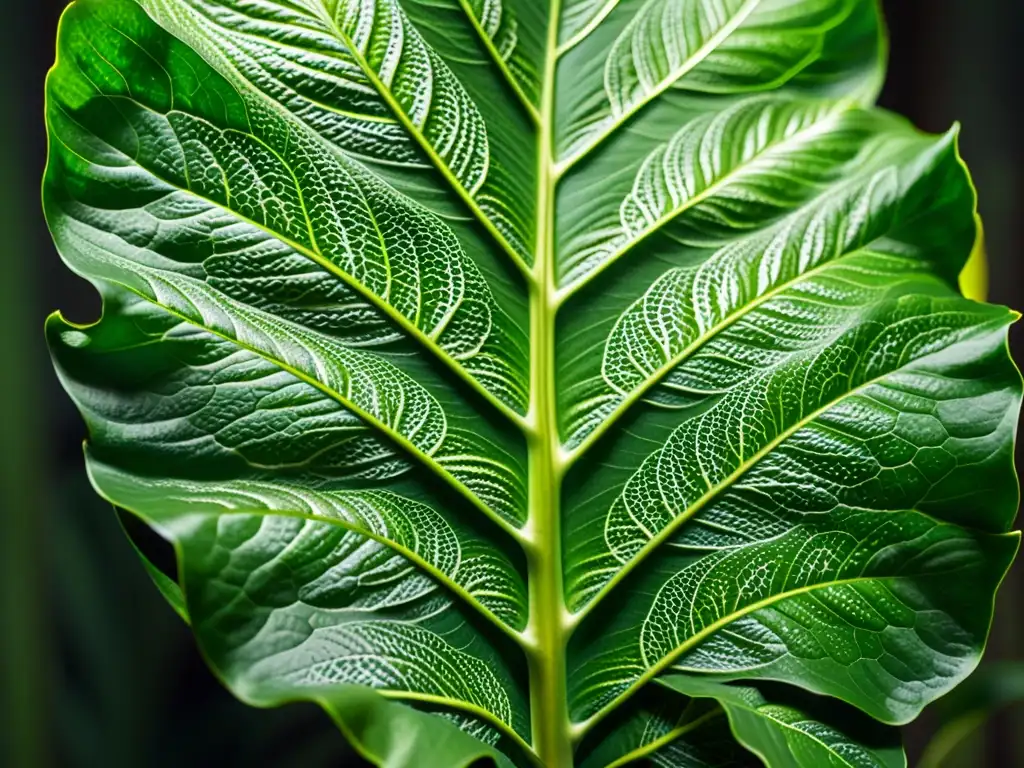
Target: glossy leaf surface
x=783, y=734
x=490, y=363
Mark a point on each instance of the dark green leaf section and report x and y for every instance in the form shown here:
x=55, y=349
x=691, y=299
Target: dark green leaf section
x=851, y=62
x=204, y=180
x=389, y=734
x=831, y=551
x=841, y=62
x=141, y=195
x=262, y=593
x=785, y=736
x=725, y=46
x=823, y=407
x=775, y=254
x=251, y=393
x=166, y=586
x=662, y=729
x=294, y=570
x=212, y=426
x=370, y=80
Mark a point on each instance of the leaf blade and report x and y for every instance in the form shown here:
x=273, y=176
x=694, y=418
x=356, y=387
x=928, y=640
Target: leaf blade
x=785, y=736
x=767, y=499
x=321, y=230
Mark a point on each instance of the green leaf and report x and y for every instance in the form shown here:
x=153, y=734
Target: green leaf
x=166, y=586
x=665, y=730
x=487, y=362
x=784, y=736
x=386, y=733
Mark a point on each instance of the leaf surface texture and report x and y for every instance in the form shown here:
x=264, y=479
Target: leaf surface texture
x=556, y=385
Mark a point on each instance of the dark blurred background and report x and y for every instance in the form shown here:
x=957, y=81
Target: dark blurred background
x=95, y=670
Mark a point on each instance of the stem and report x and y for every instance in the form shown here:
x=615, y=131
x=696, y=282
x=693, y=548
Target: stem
x=549, y=617
x=547, y=630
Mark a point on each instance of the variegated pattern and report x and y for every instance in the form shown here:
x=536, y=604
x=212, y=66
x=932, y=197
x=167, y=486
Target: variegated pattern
x=536, y=381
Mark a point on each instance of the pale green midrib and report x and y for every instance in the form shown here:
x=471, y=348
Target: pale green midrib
x=408, y=554
x=692, y=61
x=390, y=434
x=425, y=146
x=314, y=255
x=546, y=630
x=663, y=741
x=507, y=74
x=637, y=394
x=567, y=291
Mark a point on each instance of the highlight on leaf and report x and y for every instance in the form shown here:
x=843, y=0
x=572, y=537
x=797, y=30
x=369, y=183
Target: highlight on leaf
x=580, y=383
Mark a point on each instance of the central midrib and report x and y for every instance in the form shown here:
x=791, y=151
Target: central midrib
x=548, y=626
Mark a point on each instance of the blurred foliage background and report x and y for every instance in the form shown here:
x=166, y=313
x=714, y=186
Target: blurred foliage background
x=95, y=670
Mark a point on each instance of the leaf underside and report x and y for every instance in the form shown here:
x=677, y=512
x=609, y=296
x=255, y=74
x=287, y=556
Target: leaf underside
x=581, y=384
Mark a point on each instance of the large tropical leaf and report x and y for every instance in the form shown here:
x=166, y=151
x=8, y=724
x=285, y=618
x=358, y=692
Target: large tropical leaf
x=514, y=378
